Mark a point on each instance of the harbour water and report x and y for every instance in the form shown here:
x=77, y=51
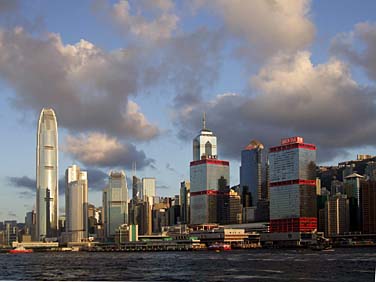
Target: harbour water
x=352, y=264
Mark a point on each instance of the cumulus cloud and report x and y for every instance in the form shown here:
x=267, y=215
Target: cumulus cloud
x=104, y=151
x=358, y=47
x=87, y=86
x=291, y=96
x=151, y=21
x=266, y=27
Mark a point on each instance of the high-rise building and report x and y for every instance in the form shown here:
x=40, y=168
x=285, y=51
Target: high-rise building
x=235, y=211
x=337, y=215
x=148, y=189
x=115, y=203
x=370, y=170
x=293, y=186
x=368, y=204
x=352, y=190
x=47, y=207
x=136, y=188
x=76, y=204
x=209, y=178
x=205, y=144
x=160, y=216
x=251, y=173
x=185, y=188
x=30, y=220
x=140, y=214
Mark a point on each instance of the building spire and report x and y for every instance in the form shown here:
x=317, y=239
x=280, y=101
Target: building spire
x=204, y=121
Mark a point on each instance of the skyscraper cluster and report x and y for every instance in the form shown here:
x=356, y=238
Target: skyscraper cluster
x=281, y=187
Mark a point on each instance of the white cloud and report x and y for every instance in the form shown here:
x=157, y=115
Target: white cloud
x=160, y=27
x=358, y=47
x=266, y=26
x=98, y=149
x=292, y=96
x=88, y=87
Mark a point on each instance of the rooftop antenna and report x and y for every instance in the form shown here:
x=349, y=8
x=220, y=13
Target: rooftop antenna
x=204, y=121
x=134, y=168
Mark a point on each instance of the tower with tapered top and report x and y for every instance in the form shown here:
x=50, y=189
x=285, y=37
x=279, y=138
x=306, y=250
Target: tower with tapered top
x=47, y=176
x=209, y=179
x=205, y=144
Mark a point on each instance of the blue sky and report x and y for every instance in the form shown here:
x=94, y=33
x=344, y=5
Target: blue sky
x=129, y=81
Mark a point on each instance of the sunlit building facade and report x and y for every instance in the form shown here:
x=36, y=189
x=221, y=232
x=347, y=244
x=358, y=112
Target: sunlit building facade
x=293, y=186
x=76, y=204
x=148, y=189
x=209, y=179
x=115, y=203
x=47, y=205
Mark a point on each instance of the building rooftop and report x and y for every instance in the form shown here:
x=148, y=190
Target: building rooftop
x=254, y=144
x=354, y=175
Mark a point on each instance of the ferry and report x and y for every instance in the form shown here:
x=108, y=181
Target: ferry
x=20, y=250
x=220, y=247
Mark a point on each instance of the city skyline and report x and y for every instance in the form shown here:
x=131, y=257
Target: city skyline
x=119, y=88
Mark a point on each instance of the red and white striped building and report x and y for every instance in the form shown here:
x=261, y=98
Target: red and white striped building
x=292, y=186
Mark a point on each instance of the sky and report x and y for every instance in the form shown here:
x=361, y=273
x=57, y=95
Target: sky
x=129, y=82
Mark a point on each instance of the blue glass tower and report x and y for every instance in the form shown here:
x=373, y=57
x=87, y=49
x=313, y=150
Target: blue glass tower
x=251, y=173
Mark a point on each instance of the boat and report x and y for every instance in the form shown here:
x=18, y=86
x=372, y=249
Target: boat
x=20, y=250
x=220, y=247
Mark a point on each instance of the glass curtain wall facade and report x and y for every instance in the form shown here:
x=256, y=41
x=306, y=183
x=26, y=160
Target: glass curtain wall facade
x=251, y=173
x=47, y=205
x=115, y=201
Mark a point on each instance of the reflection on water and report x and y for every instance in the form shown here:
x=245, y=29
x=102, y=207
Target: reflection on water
x=247, y=265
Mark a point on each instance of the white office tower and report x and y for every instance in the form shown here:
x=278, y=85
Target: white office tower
x=76, y=204
x=205, y=144
x=115, y=203
x=47, y=176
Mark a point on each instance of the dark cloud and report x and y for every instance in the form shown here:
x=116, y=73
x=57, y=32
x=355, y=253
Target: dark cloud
x=290, y=96
x=97, y=180
x=23, y=182
x=192, y=63
x=346, y=45
x=93, y=89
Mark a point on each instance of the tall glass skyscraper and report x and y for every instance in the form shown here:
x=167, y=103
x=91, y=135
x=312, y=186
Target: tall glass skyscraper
x=251, y=173
x=115, y=203
x=47, y=207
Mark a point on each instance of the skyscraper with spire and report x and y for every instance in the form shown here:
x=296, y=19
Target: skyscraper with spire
x=47, y=205
x=209, y=179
